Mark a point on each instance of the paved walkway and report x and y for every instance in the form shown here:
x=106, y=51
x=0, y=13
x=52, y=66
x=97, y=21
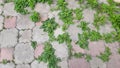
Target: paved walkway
x=17, y=31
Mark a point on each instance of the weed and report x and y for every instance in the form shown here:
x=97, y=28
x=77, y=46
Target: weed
x=35, y=17
x=34, y=44
x=94, y=35
x=84, y=26
x=88, y=57
x=78, y=13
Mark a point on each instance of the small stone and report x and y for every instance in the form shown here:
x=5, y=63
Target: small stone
x=8, y=9
x=24, y=22
x=114, y=62
x=8, y=65
x=97, y=63
x=78, y=63
x=63, y=64
x=8, y=37
x=23, y=53
x=39, y=35
x=88, y=15
x=58, y=32
x=36, y=64
x=61, y=50
x=10, y=22
x=23, y=66
x=6, y=54
x=73, y=31
x=95, y=48
x=25, y=36
x=1, y=22
x=38, y=51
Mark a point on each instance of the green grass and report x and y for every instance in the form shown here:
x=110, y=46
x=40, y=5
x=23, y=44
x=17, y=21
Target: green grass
x=35, y=17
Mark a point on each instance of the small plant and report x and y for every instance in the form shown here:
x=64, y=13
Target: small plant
x=4, y=61
x=93, y=3
x=119, y=50
x=105, y=56
x=35, y=17
x=61, y=4
x=34, y=44
x=48, y=56
x=94, y=36
x=78, y=55
x=88, y=57
x=78, y=13
x=84, y=26
x=49, y=26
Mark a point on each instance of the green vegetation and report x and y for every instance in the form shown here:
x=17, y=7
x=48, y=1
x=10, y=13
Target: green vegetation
x=78, y=13
x=35, y=17
x=105, y=56
x=93, y=3
x=88, y=57
x=48, y=56
x=61, y=4
x=84, y=26
x=78, y=55
x=94, y=36
x=119, y=50
x=4, y=61
x=49, y=26
x=34, y=44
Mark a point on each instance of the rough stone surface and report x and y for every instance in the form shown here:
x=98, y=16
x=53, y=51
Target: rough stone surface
x=38, y=51
x=1, y=22
x=8, y=9
x=8, y=65
x=73, y=31
x=23, y=53
x=114, y=62
x=78, y=63
x=8, y=38
x=23, y=66
x=39, y=35
x=25, y=36
x=1, y=9
x=36, y=64
x=73, y=4
x=97, y=63
x=60, y=50
x=6, y=54
x=24, y=22
x=10, y=22
x=95, y=48
x=58, y=32
x=63, y=64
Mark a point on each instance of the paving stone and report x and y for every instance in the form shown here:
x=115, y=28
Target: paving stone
x=73, y=4
x=38, y=23
x=1, y=9
x=10, y=22
x=63, y=64
x=23, y=53
x=8, y=65
x=88, y=15
x=6, y=54
x=107, y=28
x=61, y=50
x=1, y=1
x=24, y=22
x=103, y=1
x=8, y=9
x=58, y=32
x=73, y=31
x=97, y=63
x=95, y=48
x=1, y=22
x=23, y=66
x=76, y=48
x=39, y=35
x=113, y=47
x=25, y=36
x=78, y=63
x=8, y=37
x=114, y=62
x=36, y=64
x=38, y=51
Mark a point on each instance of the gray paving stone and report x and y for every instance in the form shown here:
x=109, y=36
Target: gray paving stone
x=73, y=31
x=25, y=36
x=36, y=64
x=1, y=9
x=1, y=1
x=23, y=66
x=8, y=37
x=8, y=65
x=39, y=35
x=24, y=22
x=73, y=4
x=63, y=64
x=8, y=9
x=97, y=63
x=61, y=50
x=23, y=53
x=58, y=32
x=1, y=22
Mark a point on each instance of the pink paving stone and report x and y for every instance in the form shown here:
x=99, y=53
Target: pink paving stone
x=113, y=47
x=114, y=62
x=38, y=51
x=78, y=63
x=6, y=54
x=95, y=48
x=44, y=17
x=10, y=22
x=77, y=49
